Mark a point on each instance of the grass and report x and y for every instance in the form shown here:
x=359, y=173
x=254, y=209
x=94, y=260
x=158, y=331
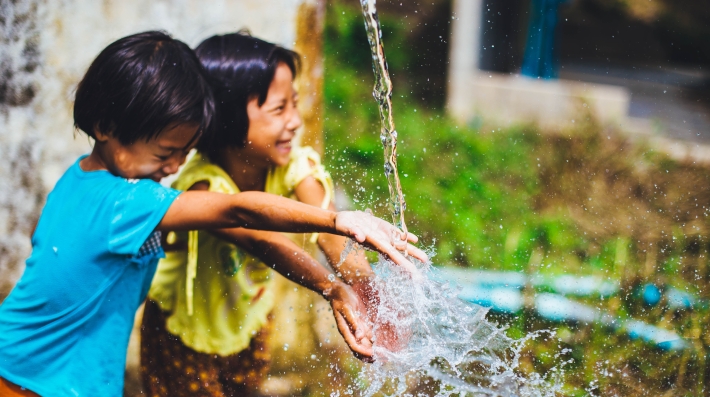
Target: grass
x=580, y=201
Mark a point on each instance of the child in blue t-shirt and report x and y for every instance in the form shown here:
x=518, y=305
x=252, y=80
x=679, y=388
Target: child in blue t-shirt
x=64, y=328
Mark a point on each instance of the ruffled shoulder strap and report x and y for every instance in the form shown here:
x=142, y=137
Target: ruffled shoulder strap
x=304, y=162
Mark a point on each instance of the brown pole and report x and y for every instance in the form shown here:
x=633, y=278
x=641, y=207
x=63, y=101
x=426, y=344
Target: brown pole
x=310, y=20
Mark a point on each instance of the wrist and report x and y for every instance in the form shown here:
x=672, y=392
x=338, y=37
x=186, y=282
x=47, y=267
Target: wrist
x=334, y=222
x=331, y=286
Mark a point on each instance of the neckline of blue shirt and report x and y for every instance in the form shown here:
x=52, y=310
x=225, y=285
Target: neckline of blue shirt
x=76, y=168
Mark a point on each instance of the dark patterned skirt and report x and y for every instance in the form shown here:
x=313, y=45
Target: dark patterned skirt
x=171, y=369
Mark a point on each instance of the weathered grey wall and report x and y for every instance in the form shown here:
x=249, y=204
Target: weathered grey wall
x=21, y=189
x=46, y=46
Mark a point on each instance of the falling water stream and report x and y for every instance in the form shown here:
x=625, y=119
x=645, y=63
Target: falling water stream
x=383, y=95
x=428, y=342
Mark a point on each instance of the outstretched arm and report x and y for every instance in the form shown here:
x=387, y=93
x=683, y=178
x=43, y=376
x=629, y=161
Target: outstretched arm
x=293, y=262
x=202, y=210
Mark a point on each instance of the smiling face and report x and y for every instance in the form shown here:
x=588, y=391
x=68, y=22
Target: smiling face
x=153, y=159
x=273, y=125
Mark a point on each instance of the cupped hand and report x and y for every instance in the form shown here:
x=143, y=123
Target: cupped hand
x=381, y=236
x=351, y=318
x=392, y=336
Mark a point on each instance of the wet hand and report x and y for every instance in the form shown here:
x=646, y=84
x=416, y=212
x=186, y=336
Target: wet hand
x=381, y=236
x=387, y=334
x=350, y=316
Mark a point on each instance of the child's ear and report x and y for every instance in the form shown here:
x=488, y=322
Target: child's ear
x=99, y=135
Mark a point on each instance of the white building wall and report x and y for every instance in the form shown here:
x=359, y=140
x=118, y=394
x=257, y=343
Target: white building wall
x=506, y=99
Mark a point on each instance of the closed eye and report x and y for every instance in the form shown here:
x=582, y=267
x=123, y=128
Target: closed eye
x=279, y=106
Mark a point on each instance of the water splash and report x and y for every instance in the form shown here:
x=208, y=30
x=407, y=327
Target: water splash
x=383, y=95
x=426, y=338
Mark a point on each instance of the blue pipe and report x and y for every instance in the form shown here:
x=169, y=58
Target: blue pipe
x=502, y=292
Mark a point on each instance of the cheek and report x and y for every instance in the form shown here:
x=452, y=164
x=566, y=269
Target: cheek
x=148, y=167
x=141, y=165
x=262, y=136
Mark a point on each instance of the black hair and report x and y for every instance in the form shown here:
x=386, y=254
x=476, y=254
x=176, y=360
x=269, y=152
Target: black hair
x=239, y=68
x=140, y=85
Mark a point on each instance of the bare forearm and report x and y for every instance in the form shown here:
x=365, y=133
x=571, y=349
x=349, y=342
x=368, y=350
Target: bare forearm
x=293, y=262
x=284, y=256
x=196, y=210
x=275, y=213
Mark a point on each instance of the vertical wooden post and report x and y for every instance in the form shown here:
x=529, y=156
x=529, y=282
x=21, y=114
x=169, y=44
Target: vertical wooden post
x=310, y=20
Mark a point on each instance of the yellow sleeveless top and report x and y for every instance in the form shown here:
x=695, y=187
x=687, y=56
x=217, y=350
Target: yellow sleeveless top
x=217, y=294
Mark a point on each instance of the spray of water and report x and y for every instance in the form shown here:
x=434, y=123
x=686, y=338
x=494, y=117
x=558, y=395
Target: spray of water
x=430, y=342
x=427, y=340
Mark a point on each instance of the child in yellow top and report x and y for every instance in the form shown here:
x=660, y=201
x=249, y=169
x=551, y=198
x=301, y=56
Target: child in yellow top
x=211, y=298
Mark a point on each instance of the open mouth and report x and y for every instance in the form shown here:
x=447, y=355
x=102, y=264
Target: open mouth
x=284, y=146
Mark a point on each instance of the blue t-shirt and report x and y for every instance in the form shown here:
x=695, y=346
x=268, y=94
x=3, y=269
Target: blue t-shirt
x=64, y=328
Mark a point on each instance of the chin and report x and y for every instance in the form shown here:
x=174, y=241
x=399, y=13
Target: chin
x=281, y=160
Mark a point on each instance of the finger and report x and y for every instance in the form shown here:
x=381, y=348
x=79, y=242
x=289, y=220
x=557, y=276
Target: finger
x=398, y=241
x=412, y=238
x=358, y=234
x=361, y=348
x=358, y=327
x=396, y=257
x=417, y=253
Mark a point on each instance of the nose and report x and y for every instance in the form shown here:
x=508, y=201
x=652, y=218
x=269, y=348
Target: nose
x=294, y=121
x=172, y=165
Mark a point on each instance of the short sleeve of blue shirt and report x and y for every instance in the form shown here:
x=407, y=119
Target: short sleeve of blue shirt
x=136, y=214
x=64, y=328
